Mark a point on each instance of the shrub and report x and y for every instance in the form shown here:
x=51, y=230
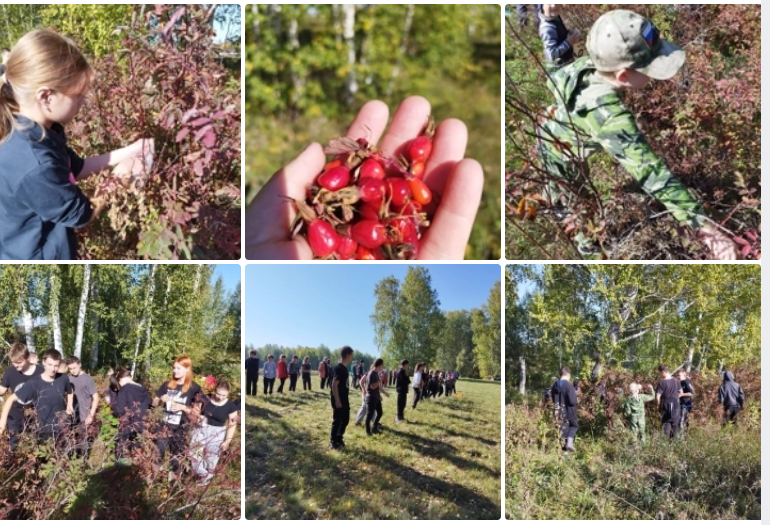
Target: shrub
x=165, y=84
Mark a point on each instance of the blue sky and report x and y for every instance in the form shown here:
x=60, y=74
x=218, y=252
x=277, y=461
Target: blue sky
x=314, y=304
x=230, y=273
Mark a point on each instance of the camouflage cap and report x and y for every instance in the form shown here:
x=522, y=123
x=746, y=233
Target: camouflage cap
x=626, y=40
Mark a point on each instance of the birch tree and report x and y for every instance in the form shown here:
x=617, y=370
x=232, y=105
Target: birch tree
x=82, y=310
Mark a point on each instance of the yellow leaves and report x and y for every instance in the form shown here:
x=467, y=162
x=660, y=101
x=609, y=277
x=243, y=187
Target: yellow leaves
x=527, y=207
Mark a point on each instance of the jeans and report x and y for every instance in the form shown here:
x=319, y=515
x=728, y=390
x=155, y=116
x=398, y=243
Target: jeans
x=293, y=383
x=306, y=385
x=280, y=387
x=373, y=411
x=341, y=418
x=267, y=383
x=400, y=405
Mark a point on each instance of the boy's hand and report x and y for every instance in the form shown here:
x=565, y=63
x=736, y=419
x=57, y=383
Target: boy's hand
x=573, y=37
x=722, y=248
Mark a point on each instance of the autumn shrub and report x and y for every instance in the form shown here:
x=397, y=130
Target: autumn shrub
x=166, y=84
x=56, y=482
x=705, y=124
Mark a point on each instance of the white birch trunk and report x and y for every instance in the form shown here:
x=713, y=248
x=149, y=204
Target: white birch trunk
x=29, y=324
x=255, y=25
x=55, y=319
x=95, y=323
x=82, y=310
x=522, y=376
x=145, y=316
x=348, y=33
x=402, y=48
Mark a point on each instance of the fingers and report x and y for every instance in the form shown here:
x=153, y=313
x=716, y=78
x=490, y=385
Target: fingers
x=370, y=122
x=448, y=235
x=408, y=122
x=448, y=149
x=302, y=171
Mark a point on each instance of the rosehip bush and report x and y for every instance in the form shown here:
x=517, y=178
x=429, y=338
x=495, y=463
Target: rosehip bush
x=165, y=84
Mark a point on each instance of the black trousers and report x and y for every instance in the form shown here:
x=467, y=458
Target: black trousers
x=251, y=385
x=173, y=439
x=373, y=411
x=417, y=392
x=731, y=415
x=267, y=383
x=292, y=382
x=323, y=383
x=306, y=382
x=569, y=423
x=280, y=386
x=340, y=420
x=683, y=412
x=400, y=405
x=669, y=417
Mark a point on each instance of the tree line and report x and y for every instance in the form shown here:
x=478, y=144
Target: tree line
x=315, y=353
x=630, y=317
x=137, y=316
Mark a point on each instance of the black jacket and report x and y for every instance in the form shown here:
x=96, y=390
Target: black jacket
x=554, y=34
x=252, y=366
x=731, y=393
x=402, y=381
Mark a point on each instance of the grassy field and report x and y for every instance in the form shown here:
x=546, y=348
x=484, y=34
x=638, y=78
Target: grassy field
x=444, y=463
x=714, y=474
x=273, y=142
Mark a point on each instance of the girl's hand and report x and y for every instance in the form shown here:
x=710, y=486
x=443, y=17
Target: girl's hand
x=179, y=407
x=225, y=445
x=164, y=398
x=455, y=181
x=136, y=159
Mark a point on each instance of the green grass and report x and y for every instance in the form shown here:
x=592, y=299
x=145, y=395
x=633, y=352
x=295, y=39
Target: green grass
x=444, y=463
x=271, y=142
x=714, y=474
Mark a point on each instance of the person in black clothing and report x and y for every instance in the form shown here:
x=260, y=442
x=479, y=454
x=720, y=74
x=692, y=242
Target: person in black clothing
x=131, y=404
x=52, y=396
x=20, y=371
x=374, y=398
x=731, y=398
x=339, y=399
x=521, y=14
x=558, y=41
x=180, y=396
x=685, y=399
x=306, y=385
x=252, y=373
x=402, y=389
x=565, y=405
x=294, y=369
x=668, y=400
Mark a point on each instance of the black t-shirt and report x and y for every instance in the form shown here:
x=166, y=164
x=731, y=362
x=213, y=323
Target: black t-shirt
x=13, y=380
x=132, y=401
x=306, y=368
x=669, y=389
x=340, y=373
x=48, y=398
x=217, y=416
x=402, y=381
x=175, y=395
x=687, y=388
x=374, y=376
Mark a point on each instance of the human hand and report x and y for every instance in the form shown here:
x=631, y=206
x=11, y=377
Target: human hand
x=70, y=411
x=225, y=445
x=164, y=398
x=89, y=420
x=574, y=37
x=136, y=159
x=722, y=248
x=178, y=407
x=456, y=184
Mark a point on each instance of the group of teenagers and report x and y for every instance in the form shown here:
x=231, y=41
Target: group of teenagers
x=339, y=379
x=64, y=405
x=674, y=397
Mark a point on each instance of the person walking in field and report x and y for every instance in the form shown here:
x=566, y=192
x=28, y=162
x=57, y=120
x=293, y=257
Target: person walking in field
x=44, y=81
x=402, y=390
x=269, y=371
x=252, y=373
x=685, y=400
x=294, y=369
x=417, y=384
x=731, y=398
x=306, y=385
x=635, y=411
x=374, y=391
x=323, y=372
x=283, y=372
x=564, y=400
x=625, y=51
x=14, y=377
x=340, y=399
x=667, y=397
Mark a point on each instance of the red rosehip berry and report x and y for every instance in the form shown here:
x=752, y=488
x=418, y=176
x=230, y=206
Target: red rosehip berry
x=335, y=179
x=365, y=254
x=398, y=191
x=322, y=237
x=369, y=211
x=371, y=169
x=420, y=191
x=371, y=190
x=369, y=234
x=347, y=246
x=419, y=149
x=417, y=169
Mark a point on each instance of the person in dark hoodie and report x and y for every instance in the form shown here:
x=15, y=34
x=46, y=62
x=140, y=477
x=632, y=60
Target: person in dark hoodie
x=131, y=404
x=252, y=373
x=667, y=397
x=565, y=404
x=402, y=389
x=731, y=398
x=558, y=41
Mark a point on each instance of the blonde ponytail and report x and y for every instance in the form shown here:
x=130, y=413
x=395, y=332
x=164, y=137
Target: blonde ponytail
x=40, y=58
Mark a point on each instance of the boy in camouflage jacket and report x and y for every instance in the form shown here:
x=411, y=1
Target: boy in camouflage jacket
x=625, y=51
x=634, y=409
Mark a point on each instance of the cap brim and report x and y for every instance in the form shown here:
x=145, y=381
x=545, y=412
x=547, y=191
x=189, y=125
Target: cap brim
x=667, y=64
